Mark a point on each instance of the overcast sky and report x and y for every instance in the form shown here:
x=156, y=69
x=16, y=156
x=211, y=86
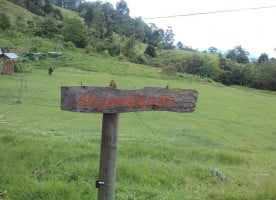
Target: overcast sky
x=254, y=30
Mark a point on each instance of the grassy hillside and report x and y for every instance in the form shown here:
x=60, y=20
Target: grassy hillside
x=224, y=150
x=13, y=11
x=68, y=13
x=52, y=154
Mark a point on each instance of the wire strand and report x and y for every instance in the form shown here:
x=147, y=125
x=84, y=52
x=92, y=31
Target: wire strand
x=188, y=14
x=212, y=12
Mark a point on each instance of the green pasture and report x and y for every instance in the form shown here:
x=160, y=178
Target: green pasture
x=224, y=150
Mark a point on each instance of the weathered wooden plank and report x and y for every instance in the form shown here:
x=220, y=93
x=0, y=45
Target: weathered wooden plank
x=111, y=100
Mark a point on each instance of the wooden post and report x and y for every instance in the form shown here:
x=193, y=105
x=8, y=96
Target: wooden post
x=108, y=156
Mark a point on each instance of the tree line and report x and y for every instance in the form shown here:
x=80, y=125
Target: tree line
x=233, y=68
x=101, y=20
x=102, y=27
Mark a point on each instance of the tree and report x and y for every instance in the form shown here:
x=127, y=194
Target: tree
x=35, y=6
x=129, y=50
x=47, y=8
x=140, y=29
x=109, y=16
x=263, y=58
x=100, y=24
x=180, y=46
x=75, y=31
x=213, y=50
x=155, y=36
x=69, y=4
x=89, y=15
x=168, y=39
x=47, y=27
x=122, y=8
x=238, y=54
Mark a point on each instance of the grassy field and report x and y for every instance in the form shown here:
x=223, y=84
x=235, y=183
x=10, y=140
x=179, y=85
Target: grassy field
x=224, y=150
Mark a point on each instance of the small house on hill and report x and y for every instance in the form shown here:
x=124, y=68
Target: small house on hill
x=7, y=62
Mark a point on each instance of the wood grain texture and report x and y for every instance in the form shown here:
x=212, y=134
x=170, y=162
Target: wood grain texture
x=111, y=100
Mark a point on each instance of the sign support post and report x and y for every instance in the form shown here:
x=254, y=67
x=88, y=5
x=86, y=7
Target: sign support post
x=108, y=156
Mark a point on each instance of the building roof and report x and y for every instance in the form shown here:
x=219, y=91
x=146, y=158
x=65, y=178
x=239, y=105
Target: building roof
x=11, y=55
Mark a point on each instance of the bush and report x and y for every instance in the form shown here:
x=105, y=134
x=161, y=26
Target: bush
x=74, y=30
x=142, y=60
x=5, y=22
x=205, y=71
x=22, y=67
x=113, y=50
x=100, y=47
x=69, y=45
x=266, y=76
x=193, y=64
x=225, y=78
x=169, y=70
x=150, y=50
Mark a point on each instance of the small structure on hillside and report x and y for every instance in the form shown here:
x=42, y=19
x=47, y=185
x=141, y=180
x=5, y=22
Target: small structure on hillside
x=7, y=62
x=31, y=56
x=53, y=54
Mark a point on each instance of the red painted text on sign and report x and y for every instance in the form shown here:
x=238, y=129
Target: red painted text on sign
x=142, y=102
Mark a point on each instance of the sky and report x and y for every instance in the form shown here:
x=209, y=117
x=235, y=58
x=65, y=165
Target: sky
x=254, y=29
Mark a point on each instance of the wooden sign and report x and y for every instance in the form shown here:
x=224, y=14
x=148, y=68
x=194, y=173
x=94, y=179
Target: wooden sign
x=111, y=100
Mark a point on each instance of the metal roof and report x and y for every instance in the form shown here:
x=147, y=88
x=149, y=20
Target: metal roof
x=11, y=55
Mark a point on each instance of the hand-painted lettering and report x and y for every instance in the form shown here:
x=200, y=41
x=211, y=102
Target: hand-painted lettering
x=142, y=102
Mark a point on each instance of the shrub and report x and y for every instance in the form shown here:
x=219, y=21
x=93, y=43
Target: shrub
x=205, y=71
x=169, y=70
x=266, y=76
x=5, y=22
x=69, y=45
x=75, y=31
x=193, y=64
x=114, y=50
x=225, y=78
x=22, y=67
x=142, y=60
x=150, y=50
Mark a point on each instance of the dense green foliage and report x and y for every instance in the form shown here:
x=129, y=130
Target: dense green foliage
x=238, y=54
x=75, y=31
x=219, y=68
x=150, y=50
x=103, y=20
x=104, y=29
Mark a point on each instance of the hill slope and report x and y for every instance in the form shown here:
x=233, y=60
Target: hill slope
x=224, y=150
x=53, y=154
x=13, y=11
